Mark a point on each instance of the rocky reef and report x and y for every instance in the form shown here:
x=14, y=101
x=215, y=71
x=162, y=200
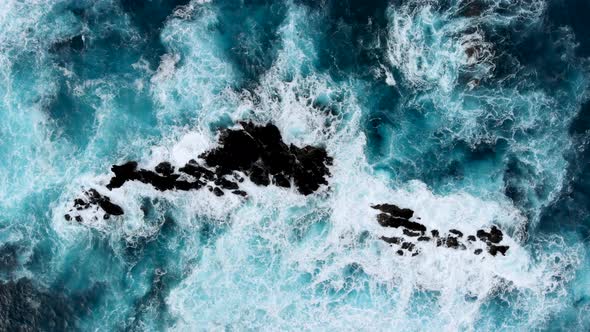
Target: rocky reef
x=393, y=216
x=257, y=151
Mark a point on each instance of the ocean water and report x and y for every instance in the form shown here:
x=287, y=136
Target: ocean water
x=472, y=113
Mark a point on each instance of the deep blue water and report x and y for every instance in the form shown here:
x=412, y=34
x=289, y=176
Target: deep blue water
x=471, y=113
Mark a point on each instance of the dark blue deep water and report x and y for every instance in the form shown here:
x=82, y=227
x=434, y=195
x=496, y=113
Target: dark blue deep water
x=472, y=113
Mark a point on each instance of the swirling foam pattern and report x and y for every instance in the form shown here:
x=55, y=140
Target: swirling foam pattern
x=472, y=113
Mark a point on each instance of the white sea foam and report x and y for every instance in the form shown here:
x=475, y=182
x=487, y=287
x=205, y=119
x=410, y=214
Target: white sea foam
x=284, y=260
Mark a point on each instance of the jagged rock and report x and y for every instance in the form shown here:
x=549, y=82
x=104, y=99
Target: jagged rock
x=456, y=232
x=218, y=192
x=94, y=198
x=104, y=202
x=452, y=242
x=494, y=236
x=394, y=216
x=197, y=171
x=260, y=153
x=281, y=181
x=494, y=249
x=386, y=220
x=257, y=151
x=394, y=210
x=410, y=233
x=391, y=240
x=226, y=184
x=164, y=168
x=409, y=246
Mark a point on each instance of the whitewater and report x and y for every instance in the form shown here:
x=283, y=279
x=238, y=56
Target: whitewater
x=471, y=113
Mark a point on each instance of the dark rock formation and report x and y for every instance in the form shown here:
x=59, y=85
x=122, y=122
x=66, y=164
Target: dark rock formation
x=392, y=240
x=394, y=211
x=257, y=151
x=261, y=154
x=396, y=217
x=164, y=168
x=493, y=250
x=94, y=198
x=387, y=220
x=410, y=233
x=456, y=232
x=494, y=236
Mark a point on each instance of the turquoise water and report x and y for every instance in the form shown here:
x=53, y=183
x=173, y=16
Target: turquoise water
x=471, y=113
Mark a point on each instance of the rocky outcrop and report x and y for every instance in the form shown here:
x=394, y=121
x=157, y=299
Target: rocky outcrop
x=259, y=152
x=93, y=198
x=256, y=151
x=396, y=217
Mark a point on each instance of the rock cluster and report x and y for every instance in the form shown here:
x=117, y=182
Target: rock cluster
x=94, y=198
x=396, y=217
x=257, y=151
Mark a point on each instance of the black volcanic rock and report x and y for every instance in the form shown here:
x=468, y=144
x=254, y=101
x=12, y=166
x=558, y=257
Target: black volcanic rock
x=456, y=232
x=261, y=154
x=396, y=217
x=94, y=198
x=392, y=240
x=410, y=233
x=386, y=220
x=494, y=249
x=493, y=236
x=104, y=202
x=394, y=210
x=240, y=193
x=452, y=242
x=257, y=151
x=164, y=168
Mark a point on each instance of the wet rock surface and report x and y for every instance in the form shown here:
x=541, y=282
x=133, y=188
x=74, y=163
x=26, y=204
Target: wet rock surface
x=396, y=217
x=93, y=199
x=258, y=151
